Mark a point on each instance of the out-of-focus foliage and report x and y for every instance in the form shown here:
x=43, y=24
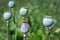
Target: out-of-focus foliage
x=37, y=10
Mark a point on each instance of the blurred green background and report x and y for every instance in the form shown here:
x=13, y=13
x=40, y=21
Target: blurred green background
x=37, y=10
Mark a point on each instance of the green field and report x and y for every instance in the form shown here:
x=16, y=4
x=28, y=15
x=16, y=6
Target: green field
x=37, y=10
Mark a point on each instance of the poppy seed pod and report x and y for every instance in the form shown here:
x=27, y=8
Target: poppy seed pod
x=48, y=21
x=25, y=27
x=50, y=27
x=11, y=4
x=23, y=11
x=54, y=22
x=7, y=15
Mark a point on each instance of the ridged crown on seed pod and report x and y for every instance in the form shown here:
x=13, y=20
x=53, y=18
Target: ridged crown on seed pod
x=11, y=4
x=7, y=15
x=47, y=21
x=23, y=11
x=25, y=27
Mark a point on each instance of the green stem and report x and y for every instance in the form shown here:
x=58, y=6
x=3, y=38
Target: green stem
x=24, y=36
x=8, y=30
x=47, y=35
x=14, y=19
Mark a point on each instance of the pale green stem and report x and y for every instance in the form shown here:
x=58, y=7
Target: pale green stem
x=47, y=34
x=7, y=30
x=24, y=36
